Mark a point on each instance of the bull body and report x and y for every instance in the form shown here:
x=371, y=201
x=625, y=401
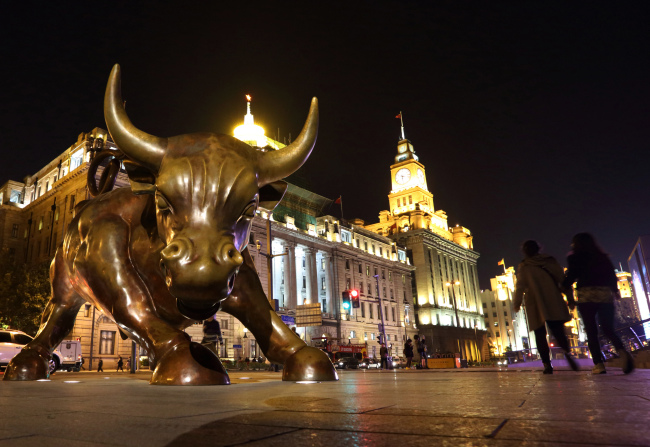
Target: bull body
x=171, y=250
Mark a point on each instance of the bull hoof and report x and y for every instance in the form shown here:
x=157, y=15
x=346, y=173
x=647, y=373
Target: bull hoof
x=190, y=364
x=309, y=364
x=27, y=365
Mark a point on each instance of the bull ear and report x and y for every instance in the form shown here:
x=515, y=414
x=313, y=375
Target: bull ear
x=271, y=194
x=142, y=180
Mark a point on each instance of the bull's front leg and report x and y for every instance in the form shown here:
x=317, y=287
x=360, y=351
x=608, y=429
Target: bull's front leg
x=118, y=288
x=249, y=304
x=32, y=363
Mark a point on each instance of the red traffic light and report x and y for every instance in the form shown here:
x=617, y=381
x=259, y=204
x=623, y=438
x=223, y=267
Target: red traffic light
x=354, y=293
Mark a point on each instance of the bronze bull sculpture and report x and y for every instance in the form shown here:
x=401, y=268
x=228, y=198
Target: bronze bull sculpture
x=171, y=250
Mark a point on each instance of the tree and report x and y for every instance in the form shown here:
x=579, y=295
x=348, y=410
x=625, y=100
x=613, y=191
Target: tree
x=24, y=293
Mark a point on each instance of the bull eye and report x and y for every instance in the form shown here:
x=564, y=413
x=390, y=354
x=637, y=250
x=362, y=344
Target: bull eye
x=161, y=203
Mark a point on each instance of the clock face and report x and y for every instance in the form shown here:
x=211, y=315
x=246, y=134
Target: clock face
x=420, y=177
x=403, y=176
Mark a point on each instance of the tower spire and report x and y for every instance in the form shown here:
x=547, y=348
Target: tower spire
x=401, y=118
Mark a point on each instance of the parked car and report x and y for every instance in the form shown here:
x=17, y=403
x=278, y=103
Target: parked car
x=12, y=342
x=399, y=362
x=373, y=364
x=347, y=363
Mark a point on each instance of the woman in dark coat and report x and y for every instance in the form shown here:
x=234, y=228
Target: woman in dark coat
x=596, y=287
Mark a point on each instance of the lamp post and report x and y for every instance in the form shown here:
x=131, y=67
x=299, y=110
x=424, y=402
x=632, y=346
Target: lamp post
x=453, y=300
x=381, y=312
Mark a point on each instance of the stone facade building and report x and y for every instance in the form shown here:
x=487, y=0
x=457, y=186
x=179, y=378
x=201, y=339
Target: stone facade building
x=445, y=286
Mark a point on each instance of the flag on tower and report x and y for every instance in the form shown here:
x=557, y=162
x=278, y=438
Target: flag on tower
x=399, y=115
x=502, y=262
x=338, y=201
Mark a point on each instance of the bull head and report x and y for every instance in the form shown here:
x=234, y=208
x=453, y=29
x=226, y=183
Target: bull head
x=207, y=188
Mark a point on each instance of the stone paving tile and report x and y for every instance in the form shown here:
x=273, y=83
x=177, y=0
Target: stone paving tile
x=217, y=434
x=325, y=438
x=446, y=426
x=604, y=433
x=50, y=441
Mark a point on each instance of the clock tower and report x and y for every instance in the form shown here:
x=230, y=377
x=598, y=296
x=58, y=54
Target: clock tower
x=409, y=193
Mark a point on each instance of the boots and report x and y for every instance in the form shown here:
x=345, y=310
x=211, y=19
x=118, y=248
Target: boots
x=548, y=369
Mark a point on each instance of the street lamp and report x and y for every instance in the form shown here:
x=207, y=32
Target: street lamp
x=381, y=312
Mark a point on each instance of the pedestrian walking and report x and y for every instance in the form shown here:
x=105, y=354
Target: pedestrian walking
x=408, y=353
x=383, y=354
x=597, y=286
x=247, y=361
x=538, y=284
x=212, y=334
x=128, y=364
x=100, y=366
x=120, y=364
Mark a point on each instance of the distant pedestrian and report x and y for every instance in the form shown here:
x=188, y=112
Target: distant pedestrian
x=423, y=353
x=100, y=366
x=597, y=287
x=120, y=364
x=128, y=364
x=383, y=353
x=539, y=277
x=247, y=361
x=408, y=353
x=212, y=334
x=417, y=359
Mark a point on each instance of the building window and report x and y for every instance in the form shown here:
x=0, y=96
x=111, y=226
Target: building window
x=497, y=334
x=493, y=305
x=14, y=231
x=494, y=314
x=369, y=290
x=224, y=324
x=403, y=279
x=347, y=264
x=107, y=342
x=361, y=287
x=322, y=283
x=507, y=324
x=410, y=200
x=322, y=264
x=393, y=310
x=373, y=249
x=496, y=323
x=376, y=271
x=363, y=310
x=352, y=334
x=384, y=292
x=304, y=282
x=86, y=310
x=365, y=246
x=360, y=268
x=484, y=305
x=390, y=276
x=40, y=224
x=505, y=313
x=367, y=270
x=347, y=283
x=251, y=238
x=370, y=306
x=381, y=251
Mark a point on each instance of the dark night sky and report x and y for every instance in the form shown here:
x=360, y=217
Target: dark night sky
x=531, y=119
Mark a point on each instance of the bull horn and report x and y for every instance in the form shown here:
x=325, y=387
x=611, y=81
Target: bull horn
x=276, y=165
x=147, y=150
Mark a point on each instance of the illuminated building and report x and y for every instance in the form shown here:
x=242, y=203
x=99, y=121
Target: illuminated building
x=639, y=263
x=252, y=134
x=447, y=299
x=627, y=311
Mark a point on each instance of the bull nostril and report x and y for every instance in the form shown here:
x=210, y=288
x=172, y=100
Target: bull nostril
x=174, y=250
x=231, y=253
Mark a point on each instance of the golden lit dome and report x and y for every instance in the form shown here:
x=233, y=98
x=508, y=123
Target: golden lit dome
x=249, y=132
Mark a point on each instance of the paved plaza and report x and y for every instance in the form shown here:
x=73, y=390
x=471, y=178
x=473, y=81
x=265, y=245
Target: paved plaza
x=396, y=408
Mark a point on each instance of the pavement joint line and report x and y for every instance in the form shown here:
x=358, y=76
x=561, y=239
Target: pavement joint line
x=499, y=427
x=17, y=437
x=374, y=409
x=210, y=413
x=264, y=438
x=522, y=403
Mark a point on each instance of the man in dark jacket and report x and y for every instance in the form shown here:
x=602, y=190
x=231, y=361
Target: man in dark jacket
x=383, y=353
x=408, y=353
x=211, y=334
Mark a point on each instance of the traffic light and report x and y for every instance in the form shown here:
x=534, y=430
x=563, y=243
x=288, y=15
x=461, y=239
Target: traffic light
x=346, y=299
x=355, y=298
